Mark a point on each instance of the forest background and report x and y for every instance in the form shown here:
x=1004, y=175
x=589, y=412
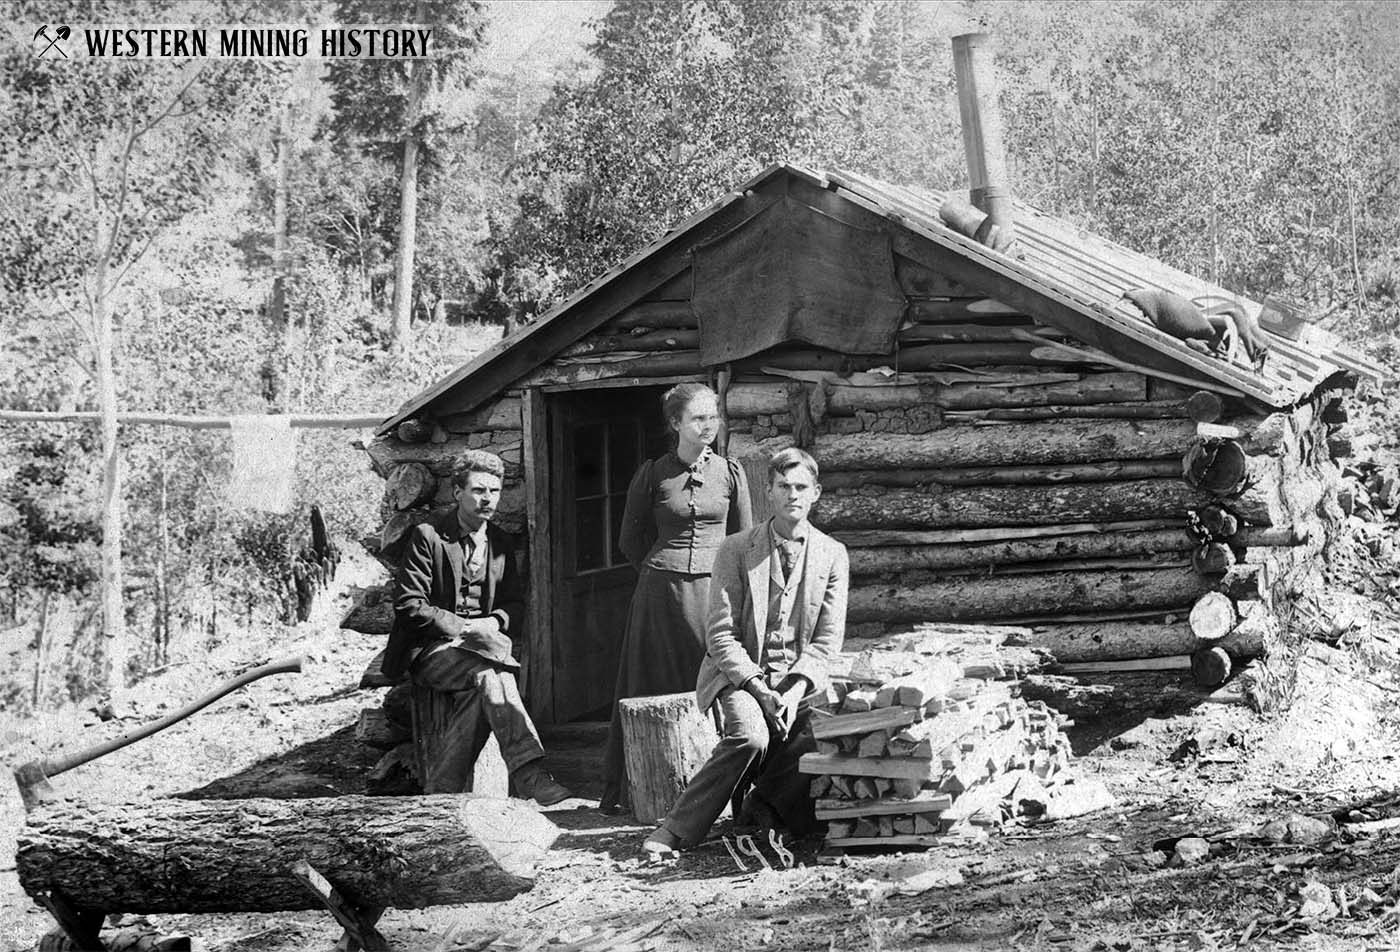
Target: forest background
x=226, y=238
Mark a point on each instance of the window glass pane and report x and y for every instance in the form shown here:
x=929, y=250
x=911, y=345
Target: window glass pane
x=623, y=457
x=589, y=447
x=619, y=503
x=591, y=537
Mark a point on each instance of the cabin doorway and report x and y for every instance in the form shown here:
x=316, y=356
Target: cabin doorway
x=598, y=438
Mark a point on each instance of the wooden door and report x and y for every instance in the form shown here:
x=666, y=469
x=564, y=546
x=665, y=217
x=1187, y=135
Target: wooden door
x=600, y=437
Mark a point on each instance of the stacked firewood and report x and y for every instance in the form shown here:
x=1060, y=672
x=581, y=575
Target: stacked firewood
x=912, y=746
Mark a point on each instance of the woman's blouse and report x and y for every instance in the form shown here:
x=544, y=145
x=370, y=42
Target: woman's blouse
x=677, y=514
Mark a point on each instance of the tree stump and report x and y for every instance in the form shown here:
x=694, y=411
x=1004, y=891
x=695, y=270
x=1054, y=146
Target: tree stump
x=666, y=740
x=237, y=855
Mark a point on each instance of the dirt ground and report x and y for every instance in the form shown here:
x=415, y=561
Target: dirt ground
x=1181, y=763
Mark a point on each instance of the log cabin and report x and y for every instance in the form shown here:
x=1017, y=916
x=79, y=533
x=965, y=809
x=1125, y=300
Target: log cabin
x=1003, y=436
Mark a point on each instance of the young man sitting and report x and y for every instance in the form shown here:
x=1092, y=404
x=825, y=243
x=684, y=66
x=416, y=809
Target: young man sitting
x=777, y=615
x=458, y=599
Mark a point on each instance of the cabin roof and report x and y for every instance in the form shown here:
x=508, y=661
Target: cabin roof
x=1084, y=272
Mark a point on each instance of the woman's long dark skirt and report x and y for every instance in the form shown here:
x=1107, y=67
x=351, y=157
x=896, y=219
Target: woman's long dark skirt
x=661, y=653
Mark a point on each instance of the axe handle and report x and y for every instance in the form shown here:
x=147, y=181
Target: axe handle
x=56, y=765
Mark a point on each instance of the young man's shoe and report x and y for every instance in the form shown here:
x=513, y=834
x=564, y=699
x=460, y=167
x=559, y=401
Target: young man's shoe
x=660, y=842
x=533, y=782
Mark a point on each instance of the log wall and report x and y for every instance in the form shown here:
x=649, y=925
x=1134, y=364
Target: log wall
x=974, y=474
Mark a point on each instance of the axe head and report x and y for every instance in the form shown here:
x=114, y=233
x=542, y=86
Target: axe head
x=34, y=786
x=42, y=31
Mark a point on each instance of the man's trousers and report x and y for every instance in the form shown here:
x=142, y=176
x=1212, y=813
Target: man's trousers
x=457, y=698
x=747, y=748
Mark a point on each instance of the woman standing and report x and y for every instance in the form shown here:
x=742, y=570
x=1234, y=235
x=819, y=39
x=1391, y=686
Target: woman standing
x=679, y=508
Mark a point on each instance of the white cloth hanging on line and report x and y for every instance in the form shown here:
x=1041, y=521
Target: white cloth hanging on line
x=264, y=463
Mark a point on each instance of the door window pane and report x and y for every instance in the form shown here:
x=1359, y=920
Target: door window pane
x=591, y=539
x=590, y=446
x=624, y=454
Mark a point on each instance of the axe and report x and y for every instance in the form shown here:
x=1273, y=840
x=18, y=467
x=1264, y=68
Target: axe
x=33, y=778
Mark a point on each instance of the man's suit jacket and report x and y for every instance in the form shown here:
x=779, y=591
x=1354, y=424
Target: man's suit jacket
x=738, y=614
x=427, y=587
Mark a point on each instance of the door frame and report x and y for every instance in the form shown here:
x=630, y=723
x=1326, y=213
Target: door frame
x=541, y=474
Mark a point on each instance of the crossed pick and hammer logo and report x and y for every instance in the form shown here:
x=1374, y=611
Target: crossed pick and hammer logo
x=44, y=42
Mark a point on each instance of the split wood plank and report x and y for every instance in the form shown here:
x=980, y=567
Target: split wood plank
x=908, y=768
x=927, y=801
x=865, y=721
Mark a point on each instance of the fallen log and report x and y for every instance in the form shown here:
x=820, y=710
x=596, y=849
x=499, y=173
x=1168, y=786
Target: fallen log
x=1051, y=441
x=975, y=506
x=970, y=597
x=237, y=855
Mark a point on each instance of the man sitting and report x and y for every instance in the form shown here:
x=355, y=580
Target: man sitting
x=777, y=614
x=458, y=599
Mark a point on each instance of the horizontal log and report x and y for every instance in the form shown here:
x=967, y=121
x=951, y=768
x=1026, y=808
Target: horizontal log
x=656, y=315
x=502, y=414
x=747, y=399
x=387, y=452
x=651, y=365
x=842, y=725
x=1123, y=640
x=966, y=309
x=844, y=765
x=972, y=506
x=879, y=561
x=973, y=597
x=186, y=856
x=969, y=333
x=409, y=484
x=1278, y=536
x=1105, y=471
x=881, y=537
x=1212, y=618
x=345, y=421
x=657, y=340
x=926, y=802
x=919, y=281
x=1050, y=441
x=1122, y=411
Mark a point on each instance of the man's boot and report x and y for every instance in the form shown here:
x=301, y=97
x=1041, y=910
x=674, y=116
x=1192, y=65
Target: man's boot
x=533, y=782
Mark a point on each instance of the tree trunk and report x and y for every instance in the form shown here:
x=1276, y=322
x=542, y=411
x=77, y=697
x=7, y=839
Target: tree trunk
x=236, y=855
x=1011, y=444
x=994, y=597
x=408, y=210
x=970, y=506
x=666, y=741
x=878, y=561
x=276, y=370
x=115, y=648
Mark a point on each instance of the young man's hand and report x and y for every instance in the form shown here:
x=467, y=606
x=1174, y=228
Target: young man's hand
x=770, y=702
